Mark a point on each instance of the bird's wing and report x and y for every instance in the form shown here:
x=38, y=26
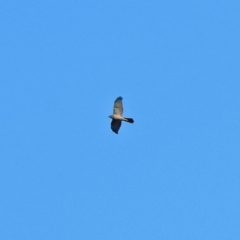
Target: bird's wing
x=118, y=107
x=115, y=125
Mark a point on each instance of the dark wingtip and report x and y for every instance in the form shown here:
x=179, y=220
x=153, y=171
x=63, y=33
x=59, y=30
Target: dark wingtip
x=118, y=98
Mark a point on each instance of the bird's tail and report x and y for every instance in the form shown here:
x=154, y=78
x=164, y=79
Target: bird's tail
x=130, y=120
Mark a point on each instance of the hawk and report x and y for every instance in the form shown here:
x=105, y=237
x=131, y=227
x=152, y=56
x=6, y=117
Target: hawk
x=117, y=117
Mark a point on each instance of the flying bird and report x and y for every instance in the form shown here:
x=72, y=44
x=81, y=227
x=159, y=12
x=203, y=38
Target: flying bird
x=117, y=117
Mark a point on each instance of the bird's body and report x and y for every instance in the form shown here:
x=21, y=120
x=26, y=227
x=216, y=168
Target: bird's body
x=117, y=117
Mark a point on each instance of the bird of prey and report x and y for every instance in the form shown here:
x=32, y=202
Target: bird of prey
x=117, y=117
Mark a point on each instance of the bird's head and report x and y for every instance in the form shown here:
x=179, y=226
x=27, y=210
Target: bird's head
x=110, y=116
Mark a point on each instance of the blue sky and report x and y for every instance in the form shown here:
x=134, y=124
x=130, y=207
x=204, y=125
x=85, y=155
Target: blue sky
x=173, y=174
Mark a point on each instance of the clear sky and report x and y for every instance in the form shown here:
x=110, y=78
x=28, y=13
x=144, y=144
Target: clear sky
x=173, y=174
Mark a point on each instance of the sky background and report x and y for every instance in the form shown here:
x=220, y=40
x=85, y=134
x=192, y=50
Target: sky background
x=173, y=174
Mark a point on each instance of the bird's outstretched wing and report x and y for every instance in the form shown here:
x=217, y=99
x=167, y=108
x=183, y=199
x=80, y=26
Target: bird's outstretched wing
x=115, y=125
x=118, y=107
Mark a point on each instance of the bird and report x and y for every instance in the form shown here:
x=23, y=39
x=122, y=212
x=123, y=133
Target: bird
x=117, y=117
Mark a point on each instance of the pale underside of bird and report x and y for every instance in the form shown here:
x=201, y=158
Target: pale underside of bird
x=117, y=117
